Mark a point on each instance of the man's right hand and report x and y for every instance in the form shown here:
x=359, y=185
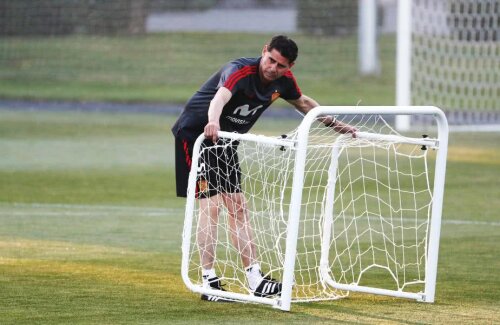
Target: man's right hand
x=211, y=131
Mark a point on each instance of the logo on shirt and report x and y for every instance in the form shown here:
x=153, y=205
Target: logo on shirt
x=275, y=96
x=237, y=120
x=245, y=110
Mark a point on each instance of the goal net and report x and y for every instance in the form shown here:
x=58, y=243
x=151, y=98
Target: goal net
x=454, y=58
x=358, y=211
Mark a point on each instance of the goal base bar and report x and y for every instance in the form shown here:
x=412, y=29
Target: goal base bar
x=377, y=291
x=240, y=297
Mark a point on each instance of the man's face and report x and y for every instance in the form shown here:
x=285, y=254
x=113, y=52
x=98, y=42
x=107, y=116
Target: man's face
x=273, y=65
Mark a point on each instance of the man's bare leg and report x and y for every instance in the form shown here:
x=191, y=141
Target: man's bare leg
x=243, y=240
x=207, y=230
x=241, y=236
x=207, y=241
x=241, y=228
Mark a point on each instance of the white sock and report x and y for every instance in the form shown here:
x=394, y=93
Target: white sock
x=207, y=274
x=253, y=276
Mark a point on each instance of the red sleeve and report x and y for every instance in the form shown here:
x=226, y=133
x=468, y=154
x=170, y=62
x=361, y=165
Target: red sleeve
x=233, y=78
x=293, y=91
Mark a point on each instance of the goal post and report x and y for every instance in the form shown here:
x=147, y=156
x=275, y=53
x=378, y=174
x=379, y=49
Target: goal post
x=331, y=214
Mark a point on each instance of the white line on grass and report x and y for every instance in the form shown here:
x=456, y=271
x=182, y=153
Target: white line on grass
x=85, y=206
x=40, y=209
x=47, y=209
x=82, y=213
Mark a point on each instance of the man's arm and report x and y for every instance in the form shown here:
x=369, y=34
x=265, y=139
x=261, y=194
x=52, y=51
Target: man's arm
x=220, y=99
x=304, y=104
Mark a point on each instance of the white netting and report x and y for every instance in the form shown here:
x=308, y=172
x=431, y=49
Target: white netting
x=455, y=51
x=379, y=224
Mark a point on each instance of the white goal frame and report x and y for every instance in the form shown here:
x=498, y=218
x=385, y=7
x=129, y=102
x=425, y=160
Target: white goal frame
x=301, y=144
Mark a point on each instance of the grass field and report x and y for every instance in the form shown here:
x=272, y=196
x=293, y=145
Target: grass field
x=169, y=67
x=90, y=230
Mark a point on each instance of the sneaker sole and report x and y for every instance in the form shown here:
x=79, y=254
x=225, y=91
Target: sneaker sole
x=214, y=298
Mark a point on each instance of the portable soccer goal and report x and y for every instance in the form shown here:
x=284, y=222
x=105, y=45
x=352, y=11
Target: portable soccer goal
x=330, y=213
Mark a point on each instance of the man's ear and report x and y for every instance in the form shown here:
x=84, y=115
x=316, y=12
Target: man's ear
x=264, y=50
x=291, y=64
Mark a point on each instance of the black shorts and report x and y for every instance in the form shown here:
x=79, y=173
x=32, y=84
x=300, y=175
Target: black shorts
x=218, y=169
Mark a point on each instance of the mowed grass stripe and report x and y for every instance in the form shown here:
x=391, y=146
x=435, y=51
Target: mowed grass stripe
x=42, y=209
x=37, y=209
x=119, y=275
x=93, y=284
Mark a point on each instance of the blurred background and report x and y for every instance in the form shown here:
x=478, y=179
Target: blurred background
x=161, y=51
x=156, y=53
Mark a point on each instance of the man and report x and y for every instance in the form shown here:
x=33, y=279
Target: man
x=232, y=100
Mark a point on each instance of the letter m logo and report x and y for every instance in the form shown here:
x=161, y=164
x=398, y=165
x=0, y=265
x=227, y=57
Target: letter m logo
x=245, y=110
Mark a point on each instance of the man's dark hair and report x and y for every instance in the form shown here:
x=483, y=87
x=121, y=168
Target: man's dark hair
x=285, y=46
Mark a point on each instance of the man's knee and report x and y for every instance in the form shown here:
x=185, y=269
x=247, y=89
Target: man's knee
x=236, y=204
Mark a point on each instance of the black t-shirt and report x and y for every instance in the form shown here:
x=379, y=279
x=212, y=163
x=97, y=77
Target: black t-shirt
x=250, y=98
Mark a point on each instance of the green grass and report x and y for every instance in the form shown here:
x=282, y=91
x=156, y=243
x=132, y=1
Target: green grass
x=170, y=67
x=91, y=230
